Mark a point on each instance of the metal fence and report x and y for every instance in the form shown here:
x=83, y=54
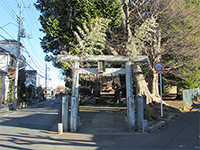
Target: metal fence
x=189, y=97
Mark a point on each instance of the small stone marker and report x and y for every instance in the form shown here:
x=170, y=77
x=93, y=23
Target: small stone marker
x=60, y=128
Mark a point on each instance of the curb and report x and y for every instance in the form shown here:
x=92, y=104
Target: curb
x=160, y=124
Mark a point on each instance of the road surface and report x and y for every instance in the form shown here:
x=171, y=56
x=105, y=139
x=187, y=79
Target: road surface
x=34, y=128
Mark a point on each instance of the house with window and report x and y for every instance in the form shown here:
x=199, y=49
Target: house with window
x=8, y=54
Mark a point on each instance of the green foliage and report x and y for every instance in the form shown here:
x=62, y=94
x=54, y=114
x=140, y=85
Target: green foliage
x=60, y=19
x=39, y=89
x=91, y=40
x=28, y=92
x=192, y=77
x=110, y=9
x=65, y=26
x=21, y=92
x=10, y=92
x=183, y=45
x=0, y=81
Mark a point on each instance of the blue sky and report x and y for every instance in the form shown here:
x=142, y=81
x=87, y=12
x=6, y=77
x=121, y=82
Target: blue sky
x=10, y=10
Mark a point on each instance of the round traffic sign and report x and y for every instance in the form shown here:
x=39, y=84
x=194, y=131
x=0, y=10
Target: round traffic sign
x=158, y=66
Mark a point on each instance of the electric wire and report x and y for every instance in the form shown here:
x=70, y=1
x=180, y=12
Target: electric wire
x=33, y=47
x=34, y=61
x=31, y=57
x=10, y=11
x=30, y=43
x=33, y=28
x=23, y=61
x=8, y=24
x=4, y=38
x=7, y=33
x=26, y=49
x=16, y=2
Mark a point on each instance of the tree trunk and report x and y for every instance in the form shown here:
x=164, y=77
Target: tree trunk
x=142, y=85
x=153, y=83
x=153, y=76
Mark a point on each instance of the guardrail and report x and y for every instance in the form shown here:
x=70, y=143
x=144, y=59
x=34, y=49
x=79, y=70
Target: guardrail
x=190, y=97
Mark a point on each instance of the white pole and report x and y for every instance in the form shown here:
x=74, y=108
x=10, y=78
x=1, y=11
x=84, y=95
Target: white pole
x=45, y=79
x=161, y=107
x=17, y=62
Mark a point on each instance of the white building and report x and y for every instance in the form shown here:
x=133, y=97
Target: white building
x=8, y=54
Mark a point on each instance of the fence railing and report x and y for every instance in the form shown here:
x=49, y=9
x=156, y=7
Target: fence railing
x=190, y=97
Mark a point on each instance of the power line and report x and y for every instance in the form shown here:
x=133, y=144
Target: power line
x=7, y=33
x=30, y=29
x=33, y=28
x=16, y=2
x=34, y=50
x=20, y=58
x=10, y=11
x=8, y=24
x=24, y=44
x=4, y=38
x=34, y=61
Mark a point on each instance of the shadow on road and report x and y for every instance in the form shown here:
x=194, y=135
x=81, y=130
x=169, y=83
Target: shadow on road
x=36, y=121
x=23, y=141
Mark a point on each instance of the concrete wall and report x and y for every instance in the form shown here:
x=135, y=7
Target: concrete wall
x=190, y=97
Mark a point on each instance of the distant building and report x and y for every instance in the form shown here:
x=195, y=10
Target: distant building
x=31, y=78
x=31, y=83
x=49, y=92
x=60, y=89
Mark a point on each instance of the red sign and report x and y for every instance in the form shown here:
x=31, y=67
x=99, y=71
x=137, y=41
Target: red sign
x=158, y=66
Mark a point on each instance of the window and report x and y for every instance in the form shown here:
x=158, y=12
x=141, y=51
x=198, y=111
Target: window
x=12, y=62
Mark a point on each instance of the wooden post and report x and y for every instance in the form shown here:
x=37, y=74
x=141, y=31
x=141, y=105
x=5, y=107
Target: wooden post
x=65, y=113
x=74, y=98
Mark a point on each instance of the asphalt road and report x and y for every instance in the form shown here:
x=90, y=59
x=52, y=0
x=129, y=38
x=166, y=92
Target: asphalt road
x=33, y=128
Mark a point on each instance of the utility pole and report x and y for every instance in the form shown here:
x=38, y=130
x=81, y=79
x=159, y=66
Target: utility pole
x=17, y=60
x=46, y=79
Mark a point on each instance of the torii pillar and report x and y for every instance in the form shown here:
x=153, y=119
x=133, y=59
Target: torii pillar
x=74, y=98
x=130, y=98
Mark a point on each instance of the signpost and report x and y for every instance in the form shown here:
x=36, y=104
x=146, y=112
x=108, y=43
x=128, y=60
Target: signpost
x=159, y=67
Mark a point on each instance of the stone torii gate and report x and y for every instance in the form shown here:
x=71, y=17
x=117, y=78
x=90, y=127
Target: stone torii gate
x=101, y=58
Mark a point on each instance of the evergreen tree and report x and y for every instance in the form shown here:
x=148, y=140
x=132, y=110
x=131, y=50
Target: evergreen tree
x=60, y=17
